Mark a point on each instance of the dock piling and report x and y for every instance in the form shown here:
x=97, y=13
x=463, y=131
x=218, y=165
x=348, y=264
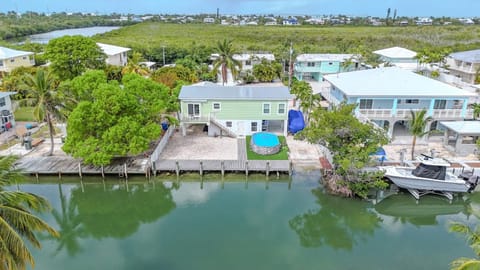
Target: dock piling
x=201, y=168
x=290, y=168
x=102, y=171
x=80, y=170
x=267, y=169
x=177, y=168
x=222, y=166
x=246, y=168
x=125, y=171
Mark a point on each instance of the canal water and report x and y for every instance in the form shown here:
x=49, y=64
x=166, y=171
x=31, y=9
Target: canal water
x=240, y=224
x=86, y=31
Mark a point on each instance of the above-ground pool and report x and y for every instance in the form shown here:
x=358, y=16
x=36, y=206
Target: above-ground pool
x=265, y=143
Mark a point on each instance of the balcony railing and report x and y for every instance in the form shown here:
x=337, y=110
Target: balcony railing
x=405, y=114
x=306, y=69
x=194, y=119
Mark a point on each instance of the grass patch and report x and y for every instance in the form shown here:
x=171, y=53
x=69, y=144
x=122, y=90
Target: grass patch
x=24, y=114
x=282, y=155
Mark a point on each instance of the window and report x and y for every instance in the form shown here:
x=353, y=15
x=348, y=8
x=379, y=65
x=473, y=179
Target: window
x=412, y=101
x=254, y=126
x=248, y=63
x=366, y=104
x=310, y=64
x=24, y=58
x=1, y=63
x=457, y=104
x=12, y=60
x=266, y=108
x=229, y=124
x=193, y=110
x=281, y=108
x=330, y=63
x=2, y=102
x=216, y=106
x=440, y=104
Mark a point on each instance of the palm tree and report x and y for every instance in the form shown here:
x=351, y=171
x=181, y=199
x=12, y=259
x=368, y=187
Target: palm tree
x=17, y=222
x=225, y=60
x=133, y=65
x=42, y=94
x=418, y=124
x=476, y=110
x=473, y=238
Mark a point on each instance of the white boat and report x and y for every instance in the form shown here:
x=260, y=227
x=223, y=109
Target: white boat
x=430, y=176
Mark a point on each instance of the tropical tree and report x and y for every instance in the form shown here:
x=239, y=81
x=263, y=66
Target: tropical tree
x=351, y=142
x=133, y=65
x=225, y=60
x=70, y=56
x=304, y=94
x=267, y=71
x=418, y=125
x=473, y=239
x=17, y=221
x=42, y=94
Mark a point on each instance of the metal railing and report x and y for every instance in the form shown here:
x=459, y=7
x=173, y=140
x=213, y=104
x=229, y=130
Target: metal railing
x=403, y=113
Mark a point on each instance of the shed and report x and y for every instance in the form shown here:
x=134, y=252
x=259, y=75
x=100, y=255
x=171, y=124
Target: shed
x=461, y=136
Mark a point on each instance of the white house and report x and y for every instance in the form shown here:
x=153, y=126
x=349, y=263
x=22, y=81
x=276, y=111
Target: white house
x=209, y=20
x=387, y=96
x=6, y=110
x=399, y=57
x=248, y=60
x=464, y=65
x=11, y=59
x=116, y=55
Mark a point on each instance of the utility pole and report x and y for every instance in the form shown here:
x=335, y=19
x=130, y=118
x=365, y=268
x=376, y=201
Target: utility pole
x=163, y=54
x=290, y=66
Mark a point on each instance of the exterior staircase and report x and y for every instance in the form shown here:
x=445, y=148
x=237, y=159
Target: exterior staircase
x=223, y=128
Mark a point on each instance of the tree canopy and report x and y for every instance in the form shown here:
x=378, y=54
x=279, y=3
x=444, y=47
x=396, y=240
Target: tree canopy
x=70, y=56
x=119, y=120
x=351, y=143
x=267, y=71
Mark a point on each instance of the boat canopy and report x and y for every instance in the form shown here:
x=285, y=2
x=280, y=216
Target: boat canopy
x=430, y=171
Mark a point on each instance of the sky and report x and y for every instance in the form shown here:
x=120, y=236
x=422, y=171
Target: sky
x=411, y=8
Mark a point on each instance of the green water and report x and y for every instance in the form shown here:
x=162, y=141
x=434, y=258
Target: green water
x=235, y=225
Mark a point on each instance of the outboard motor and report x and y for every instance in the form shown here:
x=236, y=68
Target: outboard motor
x=473, y=181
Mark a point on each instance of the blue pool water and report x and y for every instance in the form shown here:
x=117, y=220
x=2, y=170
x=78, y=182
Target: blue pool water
x=265, y=139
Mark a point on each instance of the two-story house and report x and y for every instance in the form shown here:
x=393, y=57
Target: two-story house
x=312, y=67
x=116, y=55
x=399, y=57
x=465, y=65
x=234, y=110
x=387, y=95
x=11, y=59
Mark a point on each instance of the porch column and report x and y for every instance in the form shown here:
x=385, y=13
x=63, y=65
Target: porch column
x=357, y=108
x=391, y=125
x=394, y=107
x=285, y=128
x=432, y=106
x=464, y=108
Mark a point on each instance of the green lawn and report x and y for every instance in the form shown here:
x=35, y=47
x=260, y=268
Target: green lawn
x=282, y=155
x=24, y=114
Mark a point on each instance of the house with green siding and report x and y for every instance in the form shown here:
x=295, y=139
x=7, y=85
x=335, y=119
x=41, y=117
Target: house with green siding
x=235, y=110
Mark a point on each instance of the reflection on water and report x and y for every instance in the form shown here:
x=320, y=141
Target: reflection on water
x=86, y=31
x=210, y=225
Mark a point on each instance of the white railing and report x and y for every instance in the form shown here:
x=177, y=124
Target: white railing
x=162, y=144
x=406, y=114
x=325, y=92
x=194, y=119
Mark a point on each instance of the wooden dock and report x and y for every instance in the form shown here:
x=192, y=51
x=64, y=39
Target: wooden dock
x=224, y=166
x=56, y=165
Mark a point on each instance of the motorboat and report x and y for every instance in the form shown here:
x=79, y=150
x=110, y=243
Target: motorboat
x=430, y=176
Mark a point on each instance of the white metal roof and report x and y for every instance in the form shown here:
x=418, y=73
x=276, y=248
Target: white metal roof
x=248, y=56
x=463, y=127
x=392, y=82
x=316, y=57
x=112, y=49
x=472, y=56
x=396, y=52
x=6, y=53
x=218, y=92
x=6, y=94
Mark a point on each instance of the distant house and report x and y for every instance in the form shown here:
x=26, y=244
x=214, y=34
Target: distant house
x=387, y=95
x=399, y=57
x=271, y=23
x=208, y=20
x=234, y=110
x=248, y=60
x=465, y=65
x=116, y=56
x=466, y=21
x=424, y=21
x=6, y=110
x=315, y=66
x=290, y=21
x=11, y=59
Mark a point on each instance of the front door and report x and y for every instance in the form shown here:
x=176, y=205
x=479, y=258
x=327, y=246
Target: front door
x=241, y=127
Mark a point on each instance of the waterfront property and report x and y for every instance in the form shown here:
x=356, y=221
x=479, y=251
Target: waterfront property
x=387, y=95
x=116, y=56
x=399, y=57
x=234, y=110
x=312, y=67
x=465, y=65
x=461, y=136
x=11, y=59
